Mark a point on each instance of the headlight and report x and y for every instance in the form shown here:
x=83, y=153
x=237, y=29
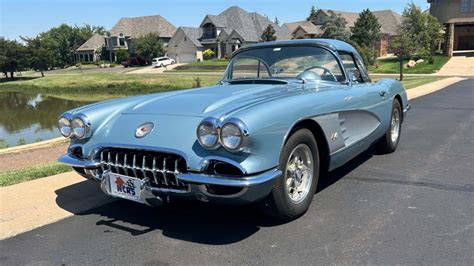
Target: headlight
x=79, y=127
x=64, y=126
x=207, y=134
x=233, y=135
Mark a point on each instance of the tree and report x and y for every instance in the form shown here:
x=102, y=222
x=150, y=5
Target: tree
x=149, y=46
x=417, y=34
x=366, y=30
x=434, y=34
x=312, y=14
x=335, y=27
x=66, y=39
x=268, y=34
x=403, y=47
x=12, y=57
x=40, y=53
x=122, y=55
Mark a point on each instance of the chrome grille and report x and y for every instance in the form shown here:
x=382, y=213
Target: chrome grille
x=159, y=168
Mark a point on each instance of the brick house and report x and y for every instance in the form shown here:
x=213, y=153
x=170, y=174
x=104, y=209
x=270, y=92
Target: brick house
x=388, y=19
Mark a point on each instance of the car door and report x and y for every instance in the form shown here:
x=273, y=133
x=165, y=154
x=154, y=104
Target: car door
x=366, y=101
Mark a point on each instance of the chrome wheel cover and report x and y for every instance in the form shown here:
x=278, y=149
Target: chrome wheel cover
x=299, y=173
x=395, y=126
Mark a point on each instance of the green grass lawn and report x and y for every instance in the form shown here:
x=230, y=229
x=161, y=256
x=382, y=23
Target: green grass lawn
x=31, y=173
x=105, y=85
x=211, y=62
x=392, y=66
x=411, y=82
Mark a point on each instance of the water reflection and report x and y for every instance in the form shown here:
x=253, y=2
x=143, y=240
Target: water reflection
x=27, y=118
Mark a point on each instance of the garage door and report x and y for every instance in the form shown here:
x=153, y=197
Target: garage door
x=186, y=58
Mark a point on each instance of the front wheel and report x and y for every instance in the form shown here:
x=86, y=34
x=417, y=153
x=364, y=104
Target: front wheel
x=294, y=190
x=389, y=142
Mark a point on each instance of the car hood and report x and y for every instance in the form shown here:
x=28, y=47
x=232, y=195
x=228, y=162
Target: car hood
x=209, y=101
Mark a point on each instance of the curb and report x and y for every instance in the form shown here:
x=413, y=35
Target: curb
x=432, y=87
x=32, y=146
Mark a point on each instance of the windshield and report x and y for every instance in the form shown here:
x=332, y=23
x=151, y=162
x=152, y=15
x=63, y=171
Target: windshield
x=287, y=62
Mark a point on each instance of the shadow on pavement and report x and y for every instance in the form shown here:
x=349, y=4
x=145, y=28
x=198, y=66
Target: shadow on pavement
x=191, y=221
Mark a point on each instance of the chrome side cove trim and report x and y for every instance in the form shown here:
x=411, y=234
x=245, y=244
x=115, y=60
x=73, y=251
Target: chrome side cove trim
x=75, y=162
x=249, y=181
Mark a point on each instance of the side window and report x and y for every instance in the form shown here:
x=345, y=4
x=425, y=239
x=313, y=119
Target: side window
x=351, y=66
x=249, y=68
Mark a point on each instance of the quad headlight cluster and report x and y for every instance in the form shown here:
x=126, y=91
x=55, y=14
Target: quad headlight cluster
x=77, y=127
x=231, y=134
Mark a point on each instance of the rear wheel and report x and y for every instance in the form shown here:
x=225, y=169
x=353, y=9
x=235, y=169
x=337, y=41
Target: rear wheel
x=294, y=190
x=389, y=142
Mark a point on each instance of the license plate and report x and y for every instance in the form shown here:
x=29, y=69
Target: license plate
x=125, y=187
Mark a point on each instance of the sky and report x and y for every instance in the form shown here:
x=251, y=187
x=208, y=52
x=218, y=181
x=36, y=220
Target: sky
x=30, y=17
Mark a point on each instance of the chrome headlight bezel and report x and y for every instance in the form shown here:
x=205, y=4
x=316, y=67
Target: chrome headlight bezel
x=79, y=125
x=243, y=134
x=213, y=125
x=64, y=125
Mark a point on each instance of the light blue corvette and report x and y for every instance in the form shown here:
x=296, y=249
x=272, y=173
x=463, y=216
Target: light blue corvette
x=283, y=115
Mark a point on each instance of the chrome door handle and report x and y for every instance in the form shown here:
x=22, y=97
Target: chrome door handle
x=382, y=93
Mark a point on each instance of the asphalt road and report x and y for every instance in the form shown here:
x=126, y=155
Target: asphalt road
x=413, y=206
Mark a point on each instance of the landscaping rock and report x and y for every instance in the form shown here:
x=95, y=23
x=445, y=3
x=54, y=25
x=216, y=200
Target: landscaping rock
x=420, y=61
x=411, y=63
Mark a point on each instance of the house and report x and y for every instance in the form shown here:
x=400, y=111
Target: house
x=90, y=50
x=388, y=19
x=458, y=18
x=121, y=37
x=303, y=30
x=122, y=34
x=223, y=33
x=185, y=46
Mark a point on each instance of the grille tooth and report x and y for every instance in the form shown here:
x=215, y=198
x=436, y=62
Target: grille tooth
x=159, y=169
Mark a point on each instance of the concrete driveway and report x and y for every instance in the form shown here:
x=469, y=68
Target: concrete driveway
x=414, y=206
x=461, y=64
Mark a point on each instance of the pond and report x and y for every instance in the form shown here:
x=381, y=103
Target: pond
x=28, y=118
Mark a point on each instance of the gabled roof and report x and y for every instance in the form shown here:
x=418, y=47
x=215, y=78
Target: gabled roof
x=307, y=26
x=95, y=42
x=141, y=26
x=388, y=19
x=193, y=34
x=248, y=25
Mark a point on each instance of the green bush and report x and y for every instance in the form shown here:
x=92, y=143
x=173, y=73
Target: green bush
x=122, y=55
x=208, y=54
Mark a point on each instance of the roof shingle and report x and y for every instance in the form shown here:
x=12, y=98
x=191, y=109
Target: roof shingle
x=141, y=26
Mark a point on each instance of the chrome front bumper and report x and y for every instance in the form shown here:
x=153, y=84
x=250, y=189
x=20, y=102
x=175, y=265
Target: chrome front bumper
x=253, y=187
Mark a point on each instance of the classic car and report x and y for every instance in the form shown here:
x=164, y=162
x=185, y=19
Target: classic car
x=284, y=114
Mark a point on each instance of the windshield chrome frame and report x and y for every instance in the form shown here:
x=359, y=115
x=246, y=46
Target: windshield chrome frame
x=225, y=77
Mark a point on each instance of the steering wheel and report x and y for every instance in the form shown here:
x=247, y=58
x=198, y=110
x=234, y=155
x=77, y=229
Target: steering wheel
x=326, y=71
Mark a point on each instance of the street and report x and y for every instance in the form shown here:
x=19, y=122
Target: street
x=413, y=206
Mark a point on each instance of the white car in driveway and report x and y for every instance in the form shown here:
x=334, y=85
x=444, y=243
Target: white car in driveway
x=162, y=62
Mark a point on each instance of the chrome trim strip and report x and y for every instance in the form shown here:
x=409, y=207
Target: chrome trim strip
x=249, y=181
x=75, y=162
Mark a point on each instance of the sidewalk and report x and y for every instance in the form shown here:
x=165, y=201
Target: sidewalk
x=32, y=204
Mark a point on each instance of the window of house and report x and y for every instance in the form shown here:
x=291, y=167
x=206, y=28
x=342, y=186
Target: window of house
x=122, y=41
x=185, y=39
x=464, y=6
x=472, y=5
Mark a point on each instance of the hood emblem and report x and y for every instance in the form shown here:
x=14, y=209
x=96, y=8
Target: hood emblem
x=144, y=129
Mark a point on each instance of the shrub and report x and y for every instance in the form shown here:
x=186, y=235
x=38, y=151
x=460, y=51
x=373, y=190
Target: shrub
x=122, y=55
x=208, y=54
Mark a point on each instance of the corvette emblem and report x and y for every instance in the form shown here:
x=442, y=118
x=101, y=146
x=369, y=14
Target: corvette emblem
x=144, y=129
